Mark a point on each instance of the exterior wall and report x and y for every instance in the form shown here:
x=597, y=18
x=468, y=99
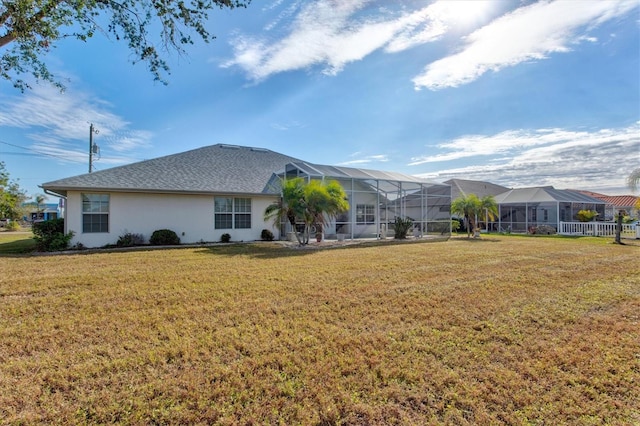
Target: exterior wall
x=189, y=216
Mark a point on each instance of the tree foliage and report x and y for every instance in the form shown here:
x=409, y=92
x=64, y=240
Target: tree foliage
x=586, y=215
x=11, y=196
x=312, y=204
x=32, y=28
x=50, y=236
x=472, y=208
x=401, y=227
x=290, y=206
x=633, y=180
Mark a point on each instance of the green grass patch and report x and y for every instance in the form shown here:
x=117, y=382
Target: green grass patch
x=505, y=330
x=16, y=243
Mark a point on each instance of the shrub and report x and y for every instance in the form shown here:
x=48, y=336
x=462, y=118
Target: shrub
x=50, y=236
x=266, y=235
x=401, y=227
x=129, y=239
x=586, y=215
x=455, y=225
x=13, y=226
x=225, y=238
x=164, y=237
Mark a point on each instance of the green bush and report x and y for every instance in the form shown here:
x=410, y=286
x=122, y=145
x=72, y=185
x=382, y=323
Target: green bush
x=225, y=238
x=164, y=237
x=13, y=226
x=266, y=235
x=50, y=236
x=586, y=215
x=401, y=227
x=129, y=239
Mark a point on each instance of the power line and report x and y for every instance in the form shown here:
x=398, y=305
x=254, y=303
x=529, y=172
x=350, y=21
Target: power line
x=35, y=152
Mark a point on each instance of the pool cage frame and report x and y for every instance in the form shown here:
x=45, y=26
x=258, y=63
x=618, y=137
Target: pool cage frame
x=376, y=199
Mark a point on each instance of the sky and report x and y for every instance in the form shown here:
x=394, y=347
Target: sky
x=517, y=93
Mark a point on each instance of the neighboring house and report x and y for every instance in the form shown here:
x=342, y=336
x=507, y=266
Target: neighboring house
x=616, y=203
x=480, y=188
x=523, y=208
x=465, y=187
x=47, y=211
x=206, y=192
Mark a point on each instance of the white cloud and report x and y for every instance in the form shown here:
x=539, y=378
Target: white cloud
x=529, y=33
x=596, y=160
x=333, y=33
x=500, y=144
x=287, y=126
x=367, y=159
x=58, y=123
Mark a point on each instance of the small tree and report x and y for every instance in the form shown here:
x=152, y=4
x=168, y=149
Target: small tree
x=40, y=199
x=312, y=203
x=324, y=201
x=633, y=180
x=470, y=207
x=290, y=206
x=488, y=208
x=11, y=196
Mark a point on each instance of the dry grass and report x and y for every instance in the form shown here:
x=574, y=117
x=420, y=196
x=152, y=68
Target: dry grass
x=506, y=330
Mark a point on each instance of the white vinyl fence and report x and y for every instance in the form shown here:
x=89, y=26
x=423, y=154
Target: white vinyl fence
x=598, y=229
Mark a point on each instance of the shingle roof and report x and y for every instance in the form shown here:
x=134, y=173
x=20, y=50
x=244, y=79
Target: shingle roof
x=544, y=193
x=477, y=187
x=211, y=169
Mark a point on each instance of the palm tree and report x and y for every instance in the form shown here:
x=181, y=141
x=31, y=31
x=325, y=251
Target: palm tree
x=312, y=203
x=40, y=199
x=468, y=207
x=290, y=206
x=488, y=209
x=634, y=179
x=325, y=201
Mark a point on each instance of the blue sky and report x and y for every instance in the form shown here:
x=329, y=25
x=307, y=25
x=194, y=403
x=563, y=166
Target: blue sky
x=518, y=93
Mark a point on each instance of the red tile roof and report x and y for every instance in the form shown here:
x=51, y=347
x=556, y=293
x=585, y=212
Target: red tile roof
x=614, y=200
x=620, y=200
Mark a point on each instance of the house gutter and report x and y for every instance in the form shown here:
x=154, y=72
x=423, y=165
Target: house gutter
x=55, y=194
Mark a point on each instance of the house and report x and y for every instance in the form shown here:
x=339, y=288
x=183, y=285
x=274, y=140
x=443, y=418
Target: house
x=523, y=208
x=465, y=187
x=206, y=192
x=616, y=203
x=38, y=213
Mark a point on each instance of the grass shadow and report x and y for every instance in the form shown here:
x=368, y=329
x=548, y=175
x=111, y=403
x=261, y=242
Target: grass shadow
x=17, y=248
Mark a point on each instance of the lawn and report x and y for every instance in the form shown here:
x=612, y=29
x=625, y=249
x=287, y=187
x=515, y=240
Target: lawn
x=16, y=242
x=504, y=330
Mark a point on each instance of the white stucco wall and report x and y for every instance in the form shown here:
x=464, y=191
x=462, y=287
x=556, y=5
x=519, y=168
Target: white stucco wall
x=190, y=216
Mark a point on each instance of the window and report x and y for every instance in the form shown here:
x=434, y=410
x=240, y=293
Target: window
x=232, y=213
x=365, y=214
x=95, y=213
x=242, y=210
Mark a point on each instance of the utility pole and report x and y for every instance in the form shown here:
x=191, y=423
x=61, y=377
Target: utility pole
x=92, y=148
